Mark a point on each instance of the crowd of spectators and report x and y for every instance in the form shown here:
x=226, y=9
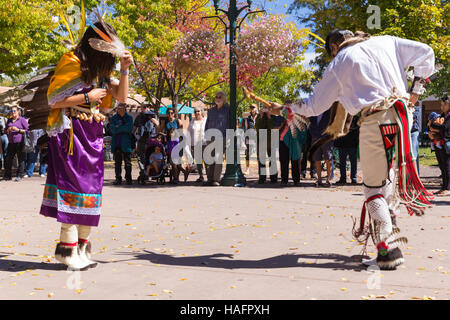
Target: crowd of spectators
x=155, y=141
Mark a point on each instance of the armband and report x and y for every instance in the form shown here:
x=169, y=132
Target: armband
x=417, y=86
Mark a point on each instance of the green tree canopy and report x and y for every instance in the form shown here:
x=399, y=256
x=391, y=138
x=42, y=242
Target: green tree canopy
x=31, y=33
x=426, y=21
x=28, y=36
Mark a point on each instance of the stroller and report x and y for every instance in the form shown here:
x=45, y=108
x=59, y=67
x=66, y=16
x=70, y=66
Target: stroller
x=143, y=135
x=160, y=177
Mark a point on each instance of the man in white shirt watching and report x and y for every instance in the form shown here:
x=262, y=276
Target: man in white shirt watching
x=368, y=75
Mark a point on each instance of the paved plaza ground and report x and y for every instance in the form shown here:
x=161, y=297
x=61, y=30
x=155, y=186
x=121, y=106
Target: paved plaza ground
x=195, y=242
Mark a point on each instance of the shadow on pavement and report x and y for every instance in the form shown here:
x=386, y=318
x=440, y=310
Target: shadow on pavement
x=440, y=203
x=251, y=183
x=338, y=262
x=17, y=266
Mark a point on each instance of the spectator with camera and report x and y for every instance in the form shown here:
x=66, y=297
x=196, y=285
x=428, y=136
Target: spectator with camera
x=144, y=127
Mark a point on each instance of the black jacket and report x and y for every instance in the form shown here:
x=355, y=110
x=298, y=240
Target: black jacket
x=351, y=139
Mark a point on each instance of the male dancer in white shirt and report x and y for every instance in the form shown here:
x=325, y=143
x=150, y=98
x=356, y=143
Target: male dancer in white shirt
x=368, y=75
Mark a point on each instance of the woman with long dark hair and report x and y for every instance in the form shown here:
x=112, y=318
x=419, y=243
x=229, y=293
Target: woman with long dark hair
x=73, y=189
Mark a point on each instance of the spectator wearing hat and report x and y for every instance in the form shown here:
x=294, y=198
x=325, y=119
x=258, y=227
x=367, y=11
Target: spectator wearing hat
x=144, y=126
x=121, y=128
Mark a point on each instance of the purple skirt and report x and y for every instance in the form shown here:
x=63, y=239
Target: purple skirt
x=73, y=189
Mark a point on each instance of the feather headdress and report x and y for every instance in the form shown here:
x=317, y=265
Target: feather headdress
x=110, y=43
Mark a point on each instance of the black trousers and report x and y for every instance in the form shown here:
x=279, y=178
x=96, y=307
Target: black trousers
x=305, y=150
x=444, y=165
x=13, y=149
x=284, y=164
x=273, y=170
x=119, y=155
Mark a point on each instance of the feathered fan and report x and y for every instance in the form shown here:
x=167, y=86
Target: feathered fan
x=110, y=43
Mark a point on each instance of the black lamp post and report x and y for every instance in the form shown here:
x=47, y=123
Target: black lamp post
x=233, y=173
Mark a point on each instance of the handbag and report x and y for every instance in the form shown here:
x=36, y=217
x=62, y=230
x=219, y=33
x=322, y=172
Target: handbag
x=27, y=142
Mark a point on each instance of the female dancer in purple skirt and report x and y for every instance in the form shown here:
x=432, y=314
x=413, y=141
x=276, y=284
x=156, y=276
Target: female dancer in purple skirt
x=73, y=189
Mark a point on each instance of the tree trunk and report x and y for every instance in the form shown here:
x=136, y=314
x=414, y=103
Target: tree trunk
x=175, y=104
x=159, y=91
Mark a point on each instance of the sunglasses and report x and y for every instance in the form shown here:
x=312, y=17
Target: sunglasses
x=197, y=111
x=13, y=111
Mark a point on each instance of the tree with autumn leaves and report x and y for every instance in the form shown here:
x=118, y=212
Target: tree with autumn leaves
x=194, y=59
x=177, y=52
x=426, y=21
x=31, y=34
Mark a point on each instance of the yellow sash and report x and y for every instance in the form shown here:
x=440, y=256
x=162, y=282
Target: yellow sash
x=67, y=75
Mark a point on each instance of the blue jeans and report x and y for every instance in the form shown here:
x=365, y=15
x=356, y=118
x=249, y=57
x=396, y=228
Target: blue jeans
x=351, y=153
x=4, y=142
x=30, y=162
x=415, y=147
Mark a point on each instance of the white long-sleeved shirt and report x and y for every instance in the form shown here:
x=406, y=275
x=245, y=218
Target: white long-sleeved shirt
x=365, y=73
x=197, y=131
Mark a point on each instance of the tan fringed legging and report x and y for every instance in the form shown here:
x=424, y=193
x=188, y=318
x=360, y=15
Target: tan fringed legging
x=70, y=233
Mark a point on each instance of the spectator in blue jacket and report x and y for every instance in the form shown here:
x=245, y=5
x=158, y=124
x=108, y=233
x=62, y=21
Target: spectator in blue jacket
x=121, y=128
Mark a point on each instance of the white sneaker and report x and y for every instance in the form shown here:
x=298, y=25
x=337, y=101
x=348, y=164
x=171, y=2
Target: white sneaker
x=26, y=176
x=43, y=175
